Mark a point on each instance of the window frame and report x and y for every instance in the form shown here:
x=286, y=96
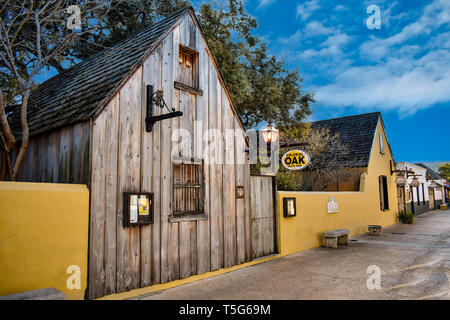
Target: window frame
x=194, y=78
x=381, y=144
x=200, y=212
x=384, y=193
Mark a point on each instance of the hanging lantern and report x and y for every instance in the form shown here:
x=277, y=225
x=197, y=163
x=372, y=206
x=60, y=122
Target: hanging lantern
x=415, y=182
x=400, y=181
x=270, y=133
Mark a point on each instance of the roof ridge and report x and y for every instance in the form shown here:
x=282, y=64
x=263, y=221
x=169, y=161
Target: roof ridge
x=352, y=116
x=423, y=165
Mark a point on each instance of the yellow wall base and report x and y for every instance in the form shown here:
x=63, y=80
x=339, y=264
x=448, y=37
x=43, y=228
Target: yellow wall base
x=43, y=231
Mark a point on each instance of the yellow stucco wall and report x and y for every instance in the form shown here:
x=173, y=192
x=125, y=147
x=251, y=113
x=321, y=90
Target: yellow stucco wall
x=43, y=231
x=357, y=210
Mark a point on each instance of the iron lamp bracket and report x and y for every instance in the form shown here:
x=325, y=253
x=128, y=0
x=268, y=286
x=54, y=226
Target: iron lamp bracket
x=157, y=98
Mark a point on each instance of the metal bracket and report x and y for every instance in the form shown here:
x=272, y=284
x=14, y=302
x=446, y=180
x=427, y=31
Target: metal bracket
x=157, y=99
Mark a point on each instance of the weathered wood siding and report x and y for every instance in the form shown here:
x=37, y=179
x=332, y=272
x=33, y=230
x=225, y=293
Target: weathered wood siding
x=127, y=158
x=58, y=156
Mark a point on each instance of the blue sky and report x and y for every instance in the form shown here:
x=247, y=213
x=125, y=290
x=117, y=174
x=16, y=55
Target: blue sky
x=402, y=69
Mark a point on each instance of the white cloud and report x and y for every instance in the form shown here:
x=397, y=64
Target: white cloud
x=264, y=3
x=408, y=72
x=406, y=85
x=315, y=28
x=340, y=7
x=304, y=10
x=312, y=29
x=435, y=14
x=330, y=48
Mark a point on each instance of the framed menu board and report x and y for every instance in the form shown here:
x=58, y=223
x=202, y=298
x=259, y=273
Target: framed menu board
x=137, y=208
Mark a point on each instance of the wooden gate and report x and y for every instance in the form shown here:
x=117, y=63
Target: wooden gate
x=262, y=213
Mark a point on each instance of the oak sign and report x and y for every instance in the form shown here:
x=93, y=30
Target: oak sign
x=295, y=160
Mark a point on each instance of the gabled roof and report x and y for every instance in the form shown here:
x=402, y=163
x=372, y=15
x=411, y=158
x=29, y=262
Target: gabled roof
x=433, y=174
x=77, y=93
x=357, y=132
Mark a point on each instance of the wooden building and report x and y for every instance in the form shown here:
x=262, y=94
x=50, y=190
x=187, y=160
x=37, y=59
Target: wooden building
x=88, y=126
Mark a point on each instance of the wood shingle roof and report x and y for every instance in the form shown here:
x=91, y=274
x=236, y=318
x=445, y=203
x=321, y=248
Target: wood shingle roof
x=357, y=132
x=77, y=93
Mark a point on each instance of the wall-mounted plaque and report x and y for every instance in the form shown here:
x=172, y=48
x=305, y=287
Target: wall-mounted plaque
x=239, y=192
x=137, y=208
x=332, y=205
x=289, y=207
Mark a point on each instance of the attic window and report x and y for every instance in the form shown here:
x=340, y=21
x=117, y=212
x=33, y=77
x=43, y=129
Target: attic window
x=381, y=144
x=187, y=68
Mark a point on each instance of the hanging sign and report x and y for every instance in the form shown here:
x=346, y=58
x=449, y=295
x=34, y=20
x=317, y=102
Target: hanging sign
x=295, y=160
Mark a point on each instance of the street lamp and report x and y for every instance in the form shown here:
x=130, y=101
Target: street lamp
x=415, y=183
x=400, y=181
x=270, y=134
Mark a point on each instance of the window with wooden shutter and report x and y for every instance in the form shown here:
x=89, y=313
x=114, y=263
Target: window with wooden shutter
x=188, y=189
x=384, y=195
x=188, y=67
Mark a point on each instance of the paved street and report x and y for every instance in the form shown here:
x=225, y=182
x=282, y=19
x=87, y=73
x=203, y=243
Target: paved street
x=414, y=262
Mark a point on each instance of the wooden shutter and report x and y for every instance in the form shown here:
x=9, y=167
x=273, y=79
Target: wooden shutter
x=385, y=194
x=380, y=184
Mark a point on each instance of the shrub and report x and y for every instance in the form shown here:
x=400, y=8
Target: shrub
x=406, y=217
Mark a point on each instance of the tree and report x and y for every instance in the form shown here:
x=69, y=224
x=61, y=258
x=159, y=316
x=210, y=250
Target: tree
x=326, y=168
x=121, y=20
x=261, y=85
x=34, y=35
x=444, y=171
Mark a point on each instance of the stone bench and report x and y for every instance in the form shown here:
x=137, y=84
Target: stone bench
x=41, y=294
x=374, y=229
x=335, y=237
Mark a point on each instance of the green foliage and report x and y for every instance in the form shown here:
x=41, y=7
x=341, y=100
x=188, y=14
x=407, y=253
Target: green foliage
x=261, y=85
x=444, y=171
x=406, y=217
x=124, y=19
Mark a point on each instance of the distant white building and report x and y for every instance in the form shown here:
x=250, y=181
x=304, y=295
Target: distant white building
x=417, y=198
x=436, y=185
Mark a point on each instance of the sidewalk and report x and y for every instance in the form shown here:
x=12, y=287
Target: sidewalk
x=414, y=262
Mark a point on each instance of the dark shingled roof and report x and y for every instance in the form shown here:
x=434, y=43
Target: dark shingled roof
x=357, y=132
x=433, y=174
x=78, y=92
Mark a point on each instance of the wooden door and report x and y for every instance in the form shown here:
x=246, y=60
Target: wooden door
x=431, y=198
x=262, y=215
